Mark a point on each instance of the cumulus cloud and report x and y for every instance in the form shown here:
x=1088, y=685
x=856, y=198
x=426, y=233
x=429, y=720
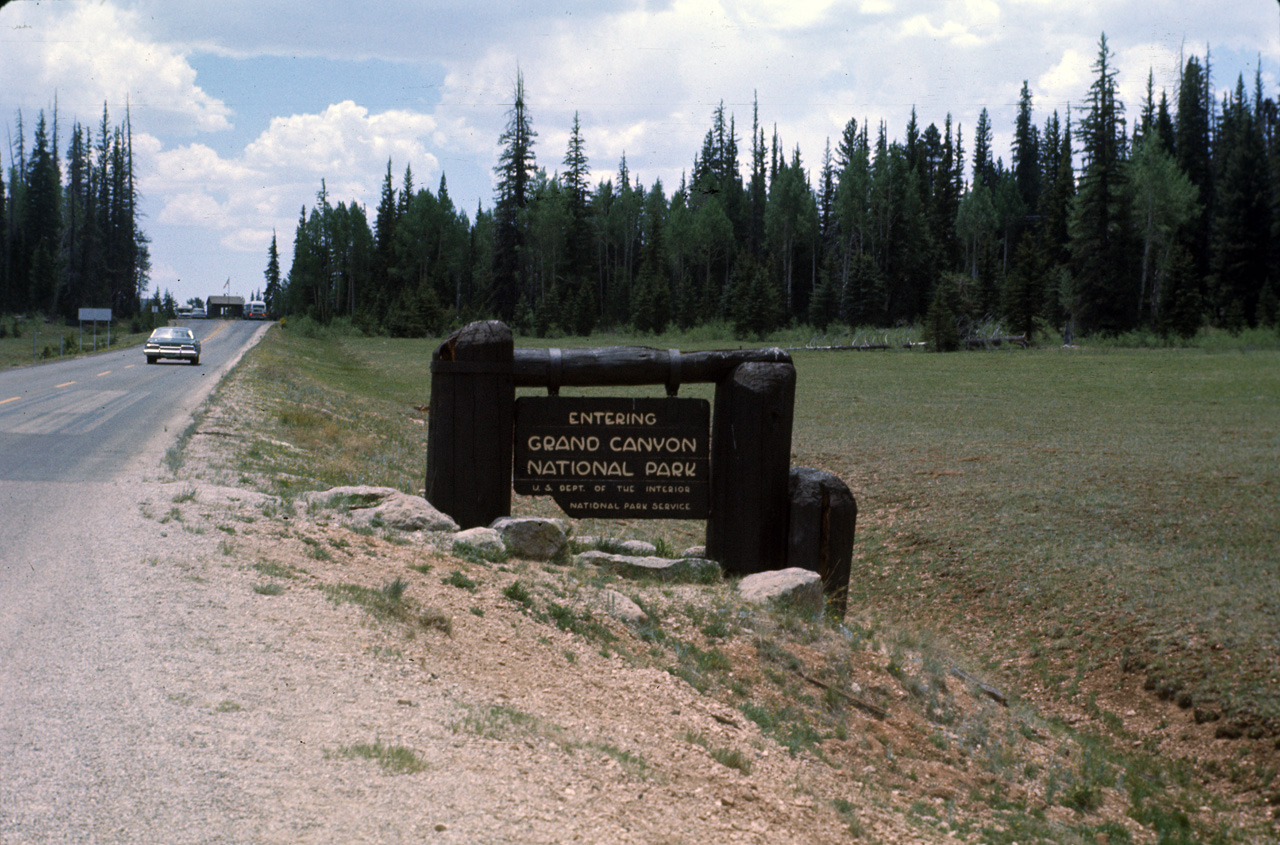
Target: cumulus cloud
x=95, y=53
x=241, y=197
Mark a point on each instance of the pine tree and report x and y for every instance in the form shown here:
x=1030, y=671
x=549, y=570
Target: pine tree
x=271, y=295
x=824, y=307
x=514, y=171
x=1099, y=220
x=43, y=219
x=790, y=218
x=380, y=288
x=1191, y=150
x=984, y=166
x=577, y=195
x=1241, y=221
x=756, y=304
x=940, y=330
x=1026, y=152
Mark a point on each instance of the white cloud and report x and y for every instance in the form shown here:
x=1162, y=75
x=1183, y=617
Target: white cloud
x=244, y=196
x=1066, y=81
x=91, y=53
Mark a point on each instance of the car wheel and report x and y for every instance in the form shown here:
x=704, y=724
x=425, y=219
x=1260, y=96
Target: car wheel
x=151, y=359
x=196, y=360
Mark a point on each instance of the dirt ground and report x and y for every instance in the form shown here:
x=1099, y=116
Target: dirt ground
x=503, y=702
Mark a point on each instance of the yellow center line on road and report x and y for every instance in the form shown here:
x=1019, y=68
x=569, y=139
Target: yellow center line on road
x=10, y=399
x=64, y=384
x=103, y=373
x=128, y=366
x=211, y=334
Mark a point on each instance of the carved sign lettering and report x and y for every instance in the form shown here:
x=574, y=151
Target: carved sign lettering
x=629, y=458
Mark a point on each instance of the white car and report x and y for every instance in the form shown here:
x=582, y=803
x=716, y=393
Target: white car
x=198, y=314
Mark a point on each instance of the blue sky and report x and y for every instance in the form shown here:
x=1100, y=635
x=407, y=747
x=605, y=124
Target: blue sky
x=240, y=108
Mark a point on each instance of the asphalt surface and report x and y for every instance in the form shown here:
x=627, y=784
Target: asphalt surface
x=79, y=441
x=87, y=419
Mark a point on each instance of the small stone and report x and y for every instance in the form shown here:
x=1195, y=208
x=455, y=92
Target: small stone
x=620, y=607
x=482, y=539
x=637, y=547
x=441, y=828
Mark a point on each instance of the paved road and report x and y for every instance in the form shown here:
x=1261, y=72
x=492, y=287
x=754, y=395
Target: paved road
x=78, y=441
x=88, y=419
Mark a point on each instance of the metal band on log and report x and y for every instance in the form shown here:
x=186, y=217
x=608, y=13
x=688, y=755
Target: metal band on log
x=750, y=467
x=469, y=439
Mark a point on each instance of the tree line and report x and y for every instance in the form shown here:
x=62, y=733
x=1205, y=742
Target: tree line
x=69, y=228
x=1102, y=222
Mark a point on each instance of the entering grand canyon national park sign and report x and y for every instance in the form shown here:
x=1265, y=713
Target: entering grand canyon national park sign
x=627, y=458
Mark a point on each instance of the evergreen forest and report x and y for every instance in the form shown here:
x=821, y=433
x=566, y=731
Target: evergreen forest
x=1164, y=219
x=69, y=230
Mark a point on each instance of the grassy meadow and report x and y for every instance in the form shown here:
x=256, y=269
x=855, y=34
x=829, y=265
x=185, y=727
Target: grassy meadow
x=28, y=341
x=1065, y=512
x=1071, y=510
x=1092, y=529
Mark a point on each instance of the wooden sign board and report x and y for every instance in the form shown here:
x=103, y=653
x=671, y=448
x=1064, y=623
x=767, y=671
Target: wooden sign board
x=615, y=458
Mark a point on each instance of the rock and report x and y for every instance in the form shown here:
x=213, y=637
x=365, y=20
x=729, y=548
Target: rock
x=531, y=538
x=798, y=588
x=616, y=546
x=482, y=539
x=636, y=547
x=695, y=551
x=620, y=607
x=406, y=513
x=384, y=506
x=664, y=569
x=350, y=497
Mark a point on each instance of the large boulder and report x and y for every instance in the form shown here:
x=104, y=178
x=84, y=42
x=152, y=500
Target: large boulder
x=794, y=587
x=532, y=538
x=384, y=506
x=618, y=546
x=407, y=513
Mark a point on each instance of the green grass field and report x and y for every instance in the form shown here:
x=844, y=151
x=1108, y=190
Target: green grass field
x=1060, y=511
x=30, y=341
x=1124, y=503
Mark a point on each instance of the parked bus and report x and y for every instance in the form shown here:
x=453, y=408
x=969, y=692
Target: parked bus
x=256, y=310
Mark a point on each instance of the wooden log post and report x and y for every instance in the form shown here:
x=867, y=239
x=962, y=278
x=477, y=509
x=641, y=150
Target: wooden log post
x=750, y=461
x=470, y=424
x=823, y=517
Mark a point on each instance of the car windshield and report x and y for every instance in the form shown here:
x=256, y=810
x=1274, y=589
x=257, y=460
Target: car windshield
x=170, y=333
